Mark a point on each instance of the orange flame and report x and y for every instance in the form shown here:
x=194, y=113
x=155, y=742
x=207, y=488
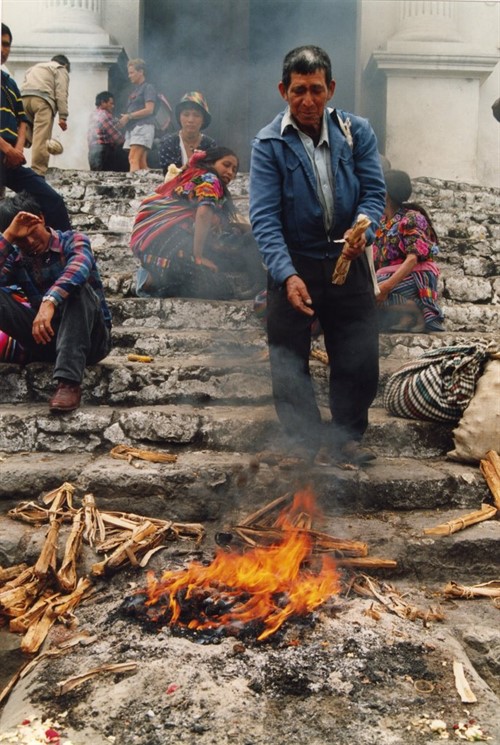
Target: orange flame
x=267, y=584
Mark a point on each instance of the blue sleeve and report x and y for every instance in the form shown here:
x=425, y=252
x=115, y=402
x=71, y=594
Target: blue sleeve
x=369, y=173
x=266, y=211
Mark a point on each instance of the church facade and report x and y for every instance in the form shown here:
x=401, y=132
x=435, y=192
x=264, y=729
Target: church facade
x=425, y=73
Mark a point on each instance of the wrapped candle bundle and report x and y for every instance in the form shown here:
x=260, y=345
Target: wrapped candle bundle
x=343, y=263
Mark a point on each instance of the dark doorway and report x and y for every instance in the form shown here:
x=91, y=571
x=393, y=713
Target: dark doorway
x=232, y=51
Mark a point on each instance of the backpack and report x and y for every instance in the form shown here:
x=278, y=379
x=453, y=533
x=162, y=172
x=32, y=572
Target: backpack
x=162, y=115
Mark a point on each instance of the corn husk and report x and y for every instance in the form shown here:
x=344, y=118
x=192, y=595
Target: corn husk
x=66, y=576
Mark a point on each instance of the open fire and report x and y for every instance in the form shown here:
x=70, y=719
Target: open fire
x=253, y=592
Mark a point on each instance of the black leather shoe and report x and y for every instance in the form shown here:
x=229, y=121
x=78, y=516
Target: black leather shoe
x=355, y=453
x=66, y=398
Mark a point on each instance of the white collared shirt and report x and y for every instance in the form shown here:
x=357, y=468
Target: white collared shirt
x=319, y=156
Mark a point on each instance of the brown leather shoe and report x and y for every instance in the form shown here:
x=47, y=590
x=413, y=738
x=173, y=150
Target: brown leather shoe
x=66, y=398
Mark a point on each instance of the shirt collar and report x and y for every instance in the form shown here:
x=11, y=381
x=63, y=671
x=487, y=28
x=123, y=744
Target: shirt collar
x=289, y=121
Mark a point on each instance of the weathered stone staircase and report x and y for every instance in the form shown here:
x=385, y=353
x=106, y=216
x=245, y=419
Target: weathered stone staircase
x=206, y=397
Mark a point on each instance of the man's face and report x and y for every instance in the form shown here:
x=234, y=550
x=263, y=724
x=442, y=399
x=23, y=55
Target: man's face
x=5, y=48
x=108, y=105
x=135, y=76
x=307, y=96
x=36, y=242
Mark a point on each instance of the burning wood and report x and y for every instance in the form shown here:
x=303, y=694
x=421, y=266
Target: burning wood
x=125, y=452
x=320, y=541
x=486, y=512
x=254, y=592
x=343, y=263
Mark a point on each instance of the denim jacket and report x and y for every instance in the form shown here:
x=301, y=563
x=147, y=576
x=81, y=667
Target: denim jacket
x=285, y=210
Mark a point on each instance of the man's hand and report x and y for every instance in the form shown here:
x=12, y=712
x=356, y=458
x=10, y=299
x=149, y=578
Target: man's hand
x=42, y=325
x=63, y=124
x=298, y=295
x=355, y=247
x=21, y=226
x=384, y=291
x=13, y=158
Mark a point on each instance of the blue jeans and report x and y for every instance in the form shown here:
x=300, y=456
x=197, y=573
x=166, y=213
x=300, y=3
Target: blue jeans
x=51, y=203
x=81, y=336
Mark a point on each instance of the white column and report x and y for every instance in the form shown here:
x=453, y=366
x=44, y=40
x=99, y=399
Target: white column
x=61, y=18
x=433, y=84
x=427, y=20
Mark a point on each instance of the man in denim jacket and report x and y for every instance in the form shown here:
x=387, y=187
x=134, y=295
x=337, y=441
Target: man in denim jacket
x=313, y=171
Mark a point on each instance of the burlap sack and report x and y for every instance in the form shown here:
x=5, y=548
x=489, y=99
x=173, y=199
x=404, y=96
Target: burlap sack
x=479, y=428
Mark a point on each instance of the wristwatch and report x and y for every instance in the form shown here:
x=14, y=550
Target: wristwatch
x=50, y=299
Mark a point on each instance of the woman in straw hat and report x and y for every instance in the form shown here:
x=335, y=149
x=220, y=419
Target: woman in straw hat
x=193, y=116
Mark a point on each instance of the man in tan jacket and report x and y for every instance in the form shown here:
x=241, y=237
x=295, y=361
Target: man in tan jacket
x=45, y=94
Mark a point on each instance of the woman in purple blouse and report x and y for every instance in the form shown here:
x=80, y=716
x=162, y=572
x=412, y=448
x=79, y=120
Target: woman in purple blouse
x=404, y=253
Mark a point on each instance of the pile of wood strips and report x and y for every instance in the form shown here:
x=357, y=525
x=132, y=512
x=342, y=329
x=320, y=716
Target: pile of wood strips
x=33, y=598
x=265, y=527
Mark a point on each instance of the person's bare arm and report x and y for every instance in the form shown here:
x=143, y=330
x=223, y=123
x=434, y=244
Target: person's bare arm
x=13, y=158
x=202, y=226
x=388, y=285
x=137, y=115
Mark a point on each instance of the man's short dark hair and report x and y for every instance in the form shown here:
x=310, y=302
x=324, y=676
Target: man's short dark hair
x=103, y=97
x=306, y=60
x=6, y=31
x=63, y=60
x=11, y=206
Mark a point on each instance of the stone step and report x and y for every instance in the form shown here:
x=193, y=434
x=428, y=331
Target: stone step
x=184, y=313
x=180, y=379
x=165, y=342
x=249, y=429
x=204, y=485
x=251, y=337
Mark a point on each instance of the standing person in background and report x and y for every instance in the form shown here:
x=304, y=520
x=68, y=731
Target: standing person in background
x=14, y=173
x=192, y=116
x=313, y=171
x=45, y=91
x=138, y=121
x=104, y=139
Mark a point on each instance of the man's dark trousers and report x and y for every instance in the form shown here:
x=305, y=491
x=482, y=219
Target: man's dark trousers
x=81, y=336
x=347, y=314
